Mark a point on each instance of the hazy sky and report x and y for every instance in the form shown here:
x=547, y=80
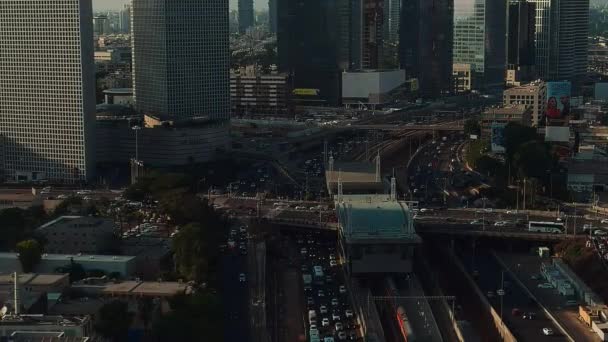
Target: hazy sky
x=116, y=4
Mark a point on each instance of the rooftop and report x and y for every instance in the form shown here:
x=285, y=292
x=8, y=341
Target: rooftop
x=153, y=289
x=375, y=217
x=33, y=278
x=530, y=87
x=75, y=257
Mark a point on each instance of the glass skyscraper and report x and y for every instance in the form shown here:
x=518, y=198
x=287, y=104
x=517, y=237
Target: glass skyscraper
x=47, y=90
x=479, y=40
x=246, y=15
x=181, y=61
x=562, y=27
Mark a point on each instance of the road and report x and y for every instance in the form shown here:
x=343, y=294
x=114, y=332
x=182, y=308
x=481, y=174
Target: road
x=489, y=277
x=235, y=296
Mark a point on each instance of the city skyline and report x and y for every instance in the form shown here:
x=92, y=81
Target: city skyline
x=101, y=5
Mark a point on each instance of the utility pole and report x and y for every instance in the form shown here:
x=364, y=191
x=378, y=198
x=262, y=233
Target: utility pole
x=524, y=206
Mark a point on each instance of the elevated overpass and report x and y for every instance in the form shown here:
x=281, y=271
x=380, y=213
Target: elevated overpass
x=450, y=126
x=443, y=229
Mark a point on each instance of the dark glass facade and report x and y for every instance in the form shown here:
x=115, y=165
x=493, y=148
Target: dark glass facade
x=426, y=35
x=311, y=38
x=520, y=38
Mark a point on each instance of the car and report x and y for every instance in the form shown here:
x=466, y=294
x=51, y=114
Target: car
x=303, y=251
x=320, y=293
x=323, y=309
x=341, y=336
x=314, y=333
x=600, y=232
x=547, y=331
x=349, y=313
x=332, y=257
x=544, y=286
x=328, y=339
x=587, y=226
x=339, y=326
x=604, y=221
x=333, y=263
x=352, y=336
x=325, y=322
x=501, y=223
x=307, y=288
x=342, y=289
x=313, y=326
x=242, y=277
x=490, y=294
x=335, y=316
x=310, y=301
x=243, y=229
x=335, y=302
x=529, y=315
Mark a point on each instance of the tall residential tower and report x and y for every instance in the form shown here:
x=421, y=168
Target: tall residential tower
x=181, y=55
x=47, y=90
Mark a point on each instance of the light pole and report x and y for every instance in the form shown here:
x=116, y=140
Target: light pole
x=136, y=128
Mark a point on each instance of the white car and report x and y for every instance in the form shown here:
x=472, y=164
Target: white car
x=335, y=316
x=604, y=221
x=342, y=289
x=349, y=313
x=342, y=336
x=547, y=331
x=325, y=322
x=242, y=278
x=500, y=223
x=333, y=263
x=323, y=309
x=334, y=302
x=320, y=293
x=600, y=232
x=339, y=326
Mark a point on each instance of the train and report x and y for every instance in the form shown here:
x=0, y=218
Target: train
x=403, y=322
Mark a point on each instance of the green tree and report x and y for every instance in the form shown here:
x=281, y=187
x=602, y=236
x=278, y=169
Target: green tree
x=189, y=316
x=471, y=126
x=515, y=136
x=30, y=253
x=113, y=321
x=532, y=160
x=188, y=248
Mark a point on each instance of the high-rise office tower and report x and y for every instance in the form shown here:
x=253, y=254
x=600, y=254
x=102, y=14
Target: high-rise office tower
x=272, y=15
x=124, y=19
x=181, y=64
x=47, y=90
x=100, y=24
x=312, y=41
x=425, y=48
x=562, y=27
x=479, y=40
x=246, y=15
x=520, y=41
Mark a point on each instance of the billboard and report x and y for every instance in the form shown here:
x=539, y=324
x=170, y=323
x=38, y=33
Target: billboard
x=498, y=137
x=558, y=100
x=557, y=111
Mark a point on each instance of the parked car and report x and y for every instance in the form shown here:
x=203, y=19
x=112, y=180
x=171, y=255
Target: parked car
x=547, y=331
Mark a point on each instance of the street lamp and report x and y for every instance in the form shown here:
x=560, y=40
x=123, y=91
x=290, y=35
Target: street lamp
x=136, y=128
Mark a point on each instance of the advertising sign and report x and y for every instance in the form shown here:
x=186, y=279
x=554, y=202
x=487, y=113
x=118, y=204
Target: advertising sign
x=558, y=111
x=558, y=100
x=498, y=137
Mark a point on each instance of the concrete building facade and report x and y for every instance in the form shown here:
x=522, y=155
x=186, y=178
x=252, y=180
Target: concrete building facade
x=255, y=93
x=533, y=95
x=47, y=102
x=77, y=234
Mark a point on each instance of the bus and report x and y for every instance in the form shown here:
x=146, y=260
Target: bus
x=546, y=227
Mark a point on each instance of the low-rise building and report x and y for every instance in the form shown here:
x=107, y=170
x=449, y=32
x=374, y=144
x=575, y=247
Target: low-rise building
x=371, y=87
x=75, y=326
x=462, y=77
x=78, y=234
x=520, y=114
x=254, y=93
x=532, y=95
x=162, y=142
x=33, y=289
x=52, y=263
